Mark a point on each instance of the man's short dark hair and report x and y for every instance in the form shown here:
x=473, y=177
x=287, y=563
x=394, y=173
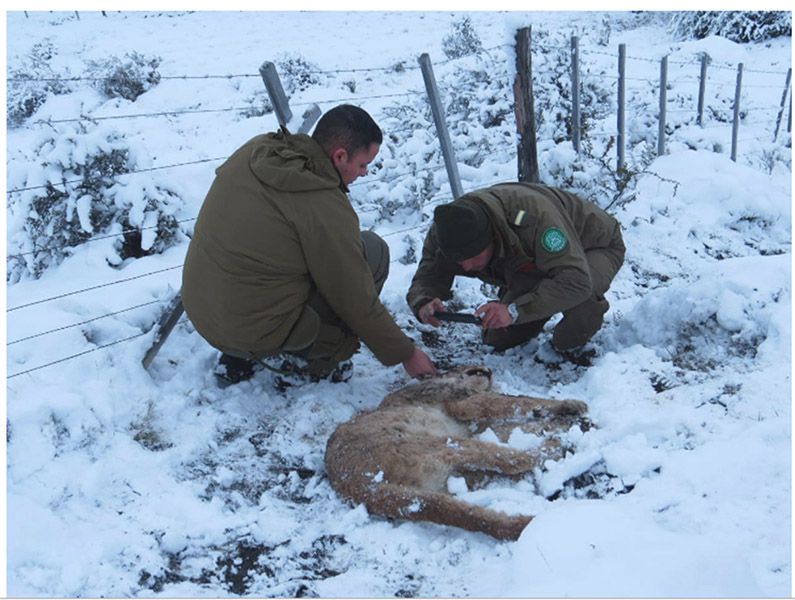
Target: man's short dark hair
x=348, y=127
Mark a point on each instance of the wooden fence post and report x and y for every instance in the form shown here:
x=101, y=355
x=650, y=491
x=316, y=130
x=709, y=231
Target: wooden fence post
x=663, y=105
x=622, y=83
x=702, y=88
x=281, y=106
x=575, y=93
x=527, y=154
x=783, y=102
x=736, y=121
x=441, y=125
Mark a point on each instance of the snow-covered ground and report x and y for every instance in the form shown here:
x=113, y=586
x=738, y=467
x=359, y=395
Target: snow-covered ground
x=127, y=482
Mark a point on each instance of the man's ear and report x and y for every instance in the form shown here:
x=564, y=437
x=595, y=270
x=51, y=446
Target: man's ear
x=338, y=156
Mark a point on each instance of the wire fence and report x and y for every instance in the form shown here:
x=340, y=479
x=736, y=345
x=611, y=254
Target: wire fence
x=385, y=178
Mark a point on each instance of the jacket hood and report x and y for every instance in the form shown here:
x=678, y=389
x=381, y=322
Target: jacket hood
x=293, y=163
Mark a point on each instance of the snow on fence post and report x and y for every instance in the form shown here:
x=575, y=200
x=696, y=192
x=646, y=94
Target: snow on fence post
x=526, y=152
x=702, y=88
x=736, y=120
x=663, y=104
x=575, y=93
x=783, y=103
x=622, y=82
x=281, y=105
x=441, y=126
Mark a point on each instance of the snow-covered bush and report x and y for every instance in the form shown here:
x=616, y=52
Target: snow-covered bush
x=127, y=77
x=89, y=189
x=31, y=83
x=296, y=73
x=552, y=89
x=738, y=26
x=463, y=40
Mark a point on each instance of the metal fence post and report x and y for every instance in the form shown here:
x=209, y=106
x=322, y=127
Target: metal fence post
x=736, y=121
x=575, y=93
x=783, y=102
x=276, y=92
x=281, y=105
x=702, y=88
x=663, y=105
x=441, y=125
x=622, y=83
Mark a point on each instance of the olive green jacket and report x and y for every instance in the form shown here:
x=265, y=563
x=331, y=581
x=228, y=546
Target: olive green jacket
x=541, y=234
x=275, y=222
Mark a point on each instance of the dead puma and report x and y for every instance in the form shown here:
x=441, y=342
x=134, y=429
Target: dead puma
x=397, y=459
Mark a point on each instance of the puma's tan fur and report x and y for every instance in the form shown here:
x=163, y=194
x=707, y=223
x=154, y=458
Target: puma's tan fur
x=397, y=459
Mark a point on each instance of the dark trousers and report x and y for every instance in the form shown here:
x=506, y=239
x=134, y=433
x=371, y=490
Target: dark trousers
x=579, y=323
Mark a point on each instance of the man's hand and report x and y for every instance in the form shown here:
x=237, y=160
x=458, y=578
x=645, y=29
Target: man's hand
x=494, y=315
x=426, y=312
x=419, y=365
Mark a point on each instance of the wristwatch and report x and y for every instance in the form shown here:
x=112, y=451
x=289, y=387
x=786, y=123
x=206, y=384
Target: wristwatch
x=513, y=310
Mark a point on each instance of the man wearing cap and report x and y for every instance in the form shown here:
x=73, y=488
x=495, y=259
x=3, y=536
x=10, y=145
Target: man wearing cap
x=548, y=251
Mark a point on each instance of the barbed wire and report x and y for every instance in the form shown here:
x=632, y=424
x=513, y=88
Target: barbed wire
x=166, y=113
x=97, y=179
x=717, y=65
x=73, y=325
x=92, y=79
x=73, y=356
x=397, y=67
x=95, y=239
x=88, y=289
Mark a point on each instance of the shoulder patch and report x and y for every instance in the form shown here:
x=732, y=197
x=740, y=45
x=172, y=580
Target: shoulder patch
x=554, y=240
x=519, y=218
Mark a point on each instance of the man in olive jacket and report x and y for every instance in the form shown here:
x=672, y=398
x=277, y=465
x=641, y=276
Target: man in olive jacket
x=548, y=250
x=277, y=263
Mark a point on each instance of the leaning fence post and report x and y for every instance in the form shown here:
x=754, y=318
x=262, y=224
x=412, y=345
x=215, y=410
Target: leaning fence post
x=441, y=125
x=527, y=154
x=281, y=106
x=164, y=327
x=736, y=121
x=622, y=82
x=702, y=89
x=783, y=102
x=663, y=105
x=276, y=92
x=575, y=93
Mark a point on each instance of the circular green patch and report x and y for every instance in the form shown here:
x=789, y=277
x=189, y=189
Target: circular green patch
x=554, y=240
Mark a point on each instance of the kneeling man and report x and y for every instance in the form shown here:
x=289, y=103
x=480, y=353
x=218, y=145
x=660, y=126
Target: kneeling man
x=548, y=250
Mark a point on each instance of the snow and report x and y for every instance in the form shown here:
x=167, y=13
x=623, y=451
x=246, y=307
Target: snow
x=123, y=482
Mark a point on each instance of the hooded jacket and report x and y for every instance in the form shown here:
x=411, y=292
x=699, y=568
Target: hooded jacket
x=276, y=222
x=540, y=237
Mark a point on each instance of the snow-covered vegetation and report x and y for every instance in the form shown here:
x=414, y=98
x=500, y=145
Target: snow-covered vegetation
x=127, y=482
